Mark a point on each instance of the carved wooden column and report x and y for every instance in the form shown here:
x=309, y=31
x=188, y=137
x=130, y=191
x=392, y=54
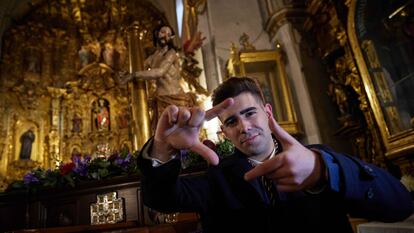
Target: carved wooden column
x=54, y=144
x=139, y=105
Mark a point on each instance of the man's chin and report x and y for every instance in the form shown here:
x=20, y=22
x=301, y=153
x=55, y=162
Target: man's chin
x=250, y=150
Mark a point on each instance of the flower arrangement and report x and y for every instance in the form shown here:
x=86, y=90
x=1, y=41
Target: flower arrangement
x=82, y=169
x=79, y=170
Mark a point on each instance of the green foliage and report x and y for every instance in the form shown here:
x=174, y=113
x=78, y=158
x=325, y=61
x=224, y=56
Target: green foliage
x=225, y=148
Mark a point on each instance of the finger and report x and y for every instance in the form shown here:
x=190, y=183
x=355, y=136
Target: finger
x=208, y=154
x=265, y=168
x=172, y=112
x=288, y=180
x=167, y=119
x=219, y=108
x=183, y=116
x=280, y=173
x=283, y=136
x=287, y=188
x=197, y=117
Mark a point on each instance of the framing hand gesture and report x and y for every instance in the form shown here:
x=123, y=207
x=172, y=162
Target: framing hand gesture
x=295, y=168
x=179, y=127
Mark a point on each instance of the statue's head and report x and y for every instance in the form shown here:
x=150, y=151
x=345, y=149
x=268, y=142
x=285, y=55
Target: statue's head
x=163, y=35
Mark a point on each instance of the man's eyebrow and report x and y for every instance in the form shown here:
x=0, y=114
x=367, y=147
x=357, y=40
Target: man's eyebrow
x=247, y=110
x=241, y=112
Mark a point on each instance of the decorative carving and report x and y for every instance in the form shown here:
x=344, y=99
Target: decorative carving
x=245, y=43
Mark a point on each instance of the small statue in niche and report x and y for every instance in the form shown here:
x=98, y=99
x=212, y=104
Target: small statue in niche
x=76, y=123
x=101, y=110
x=95, y=47
x=84, y=55
x=26, y=141
x=75, y=153
x=123, y=118
x=108, y=54
x=339, y=96
x=121, y=50
x=32, y=60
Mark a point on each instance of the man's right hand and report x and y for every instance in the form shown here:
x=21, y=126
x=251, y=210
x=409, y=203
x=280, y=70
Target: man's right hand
x=179, y=127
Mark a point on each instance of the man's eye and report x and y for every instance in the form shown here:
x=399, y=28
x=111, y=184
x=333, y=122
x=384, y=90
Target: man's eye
x=230, y=123
x=248, y=114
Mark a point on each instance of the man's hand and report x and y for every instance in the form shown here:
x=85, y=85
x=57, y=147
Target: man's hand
x=295, y=168
x=178, y=128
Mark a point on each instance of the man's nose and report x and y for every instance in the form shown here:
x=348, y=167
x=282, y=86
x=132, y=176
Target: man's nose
x=244, y=125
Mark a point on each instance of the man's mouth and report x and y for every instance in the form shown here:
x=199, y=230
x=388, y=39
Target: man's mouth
x=249, y=139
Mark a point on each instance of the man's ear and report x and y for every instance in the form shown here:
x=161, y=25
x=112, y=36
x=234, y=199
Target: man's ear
x=268, y=110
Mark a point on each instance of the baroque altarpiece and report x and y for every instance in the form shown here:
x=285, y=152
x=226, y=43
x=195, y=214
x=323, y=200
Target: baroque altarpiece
x=367, y=47
x=61, y=92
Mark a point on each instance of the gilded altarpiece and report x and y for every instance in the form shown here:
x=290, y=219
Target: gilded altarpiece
x=327, y=22
x=367, y=47
x=382, y=40
x=60, y=89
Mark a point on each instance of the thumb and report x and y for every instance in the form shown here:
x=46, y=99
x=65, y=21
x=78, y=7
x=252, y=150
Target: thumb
x=167, y=119
x=284, y=137
x=205, y=152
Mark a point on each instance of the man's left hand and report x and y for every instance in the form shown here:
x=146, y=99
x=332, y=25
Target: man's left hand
x=295, y=168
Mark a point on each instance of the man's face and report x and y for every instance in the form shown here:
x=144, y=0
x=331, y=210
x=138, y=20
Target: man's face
x=245, y=124
x=164, y=36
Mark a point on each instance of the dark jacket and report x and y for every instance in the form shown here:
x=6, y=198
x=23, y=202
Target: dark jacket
x=228, y=203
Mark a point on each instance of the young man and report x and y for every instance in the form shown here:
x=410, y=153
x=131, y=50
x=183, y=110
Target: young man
x=312, y=188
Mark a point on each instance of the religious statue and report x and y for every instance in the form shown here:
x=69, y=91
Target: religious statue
x=164, y=67
x=339, y=96
x=77, y=123
x=75, y=153
x=123, y=118
x=108, y=54
x=95, y=48
x=84, y=55
x=245, y=43
x=101, y=110
x=33, y=61
x=26, y=141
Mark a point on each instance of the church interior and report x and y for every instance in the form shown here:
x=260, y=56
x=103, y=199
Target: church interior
x=336, y=72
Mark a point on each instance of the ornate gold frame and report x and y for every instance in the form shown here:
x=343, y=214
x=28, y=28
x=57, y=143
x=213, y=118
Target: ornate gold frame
x=399, y=143
x=280, y=91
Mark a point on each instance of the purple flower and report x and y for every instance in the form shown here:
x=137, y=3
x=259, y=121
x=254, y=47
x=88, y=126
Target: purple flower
x=87, y=159
x=30, y=178
x=123, y=162
x=81, y=166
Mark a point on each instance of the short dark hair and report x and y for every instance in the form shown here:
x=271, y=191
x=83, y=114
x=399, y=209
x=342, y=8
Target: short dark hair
x=234, y=86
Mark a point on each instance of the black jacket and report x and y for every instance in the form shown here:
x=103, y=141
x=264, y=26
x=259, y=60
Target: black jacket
x=228, y=203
